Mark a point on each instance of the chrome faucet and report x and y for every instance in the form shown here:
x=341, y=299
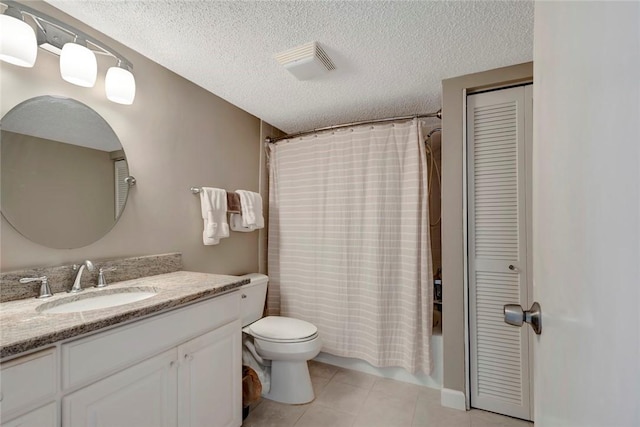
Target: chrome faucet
x=77, y=287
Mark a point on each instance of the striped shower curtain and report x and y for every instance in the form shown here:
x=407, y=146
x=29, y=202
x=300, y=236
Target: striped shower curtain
x=349, y=241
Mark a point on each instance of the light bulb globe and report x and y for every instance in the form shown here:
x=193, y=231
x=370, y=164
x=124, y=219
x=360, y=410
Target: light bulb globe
x=78, y=65
x=18, y=44
x=120, y=86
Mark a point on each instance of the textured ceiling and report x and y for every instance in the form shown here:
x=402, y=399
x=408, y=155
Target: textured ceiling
x=390, y=57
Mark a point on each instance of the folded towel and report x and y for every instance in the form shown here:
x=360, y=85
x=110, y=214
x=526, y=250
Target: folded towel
x=251, y=209
x=213, y=202
x=233, y=202
x=264, y=372
x=251, y=386
x=235, y=222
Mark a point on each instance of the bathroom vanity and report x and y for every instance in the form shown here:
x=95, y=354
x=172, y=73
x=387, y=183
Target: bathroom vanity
x=170, y=360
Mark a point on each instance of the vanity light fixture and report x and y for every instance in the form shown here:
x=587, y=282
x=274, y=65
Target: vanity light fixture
x=19, y=42
x=120, y=85
x=78, y=64
x=18, y=45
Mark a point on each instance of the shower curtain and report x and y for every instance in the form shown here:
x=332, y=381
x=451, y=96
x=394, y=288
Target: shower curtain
x=349, y=243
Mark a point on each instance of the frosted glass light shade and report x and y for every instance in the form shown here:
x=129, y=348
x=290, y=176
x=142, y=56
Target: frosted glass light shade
x=18, y=45
x=78, y=65
x=120, y=86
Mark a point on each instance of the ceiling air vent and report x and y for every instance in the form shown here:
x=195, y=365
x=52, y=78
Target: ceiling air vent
x=306, y=62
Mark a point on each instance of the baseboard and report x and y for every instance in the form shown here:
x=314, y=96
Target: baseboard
x=453, y=399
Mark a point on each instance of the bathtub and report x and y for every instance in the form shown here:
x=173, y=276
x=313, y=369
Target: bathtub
x=433, y=381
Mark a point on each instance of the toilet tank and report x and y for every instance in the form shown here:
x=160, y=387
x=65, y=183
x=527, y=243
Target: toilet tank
x=254, y=295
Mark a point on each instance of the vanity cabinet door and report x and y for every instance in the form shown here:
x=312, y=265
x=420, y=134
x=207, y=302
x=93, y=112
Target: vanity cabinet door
x=210, y=379
x=41, y=417
x=142, y=395
x=27, y=382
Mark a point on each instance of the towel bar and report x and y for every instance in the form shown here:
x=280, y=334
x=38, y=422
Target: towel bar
x=233, y=200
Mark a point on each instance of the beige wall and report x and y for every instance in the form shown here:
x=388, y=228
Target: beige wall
x=452, y=209
x=176, y=135
x=43, y=197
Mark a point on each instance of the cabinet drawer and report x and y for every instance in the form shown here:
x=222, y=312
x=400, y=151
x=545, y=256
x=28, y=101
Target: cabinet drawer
x=41, y=417
x=96, y=356
x=28, y=380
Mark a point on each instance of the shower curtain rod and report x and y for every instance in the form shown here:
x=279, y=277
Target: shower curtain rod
x=437, y=114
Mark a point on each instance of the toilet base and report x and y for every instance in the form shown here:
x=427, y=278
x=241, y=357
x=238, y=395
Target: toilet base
x=290, y=382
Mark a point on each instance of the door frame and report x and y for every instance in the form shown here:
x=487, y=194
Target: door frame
x=454, y=91
x=465, y=237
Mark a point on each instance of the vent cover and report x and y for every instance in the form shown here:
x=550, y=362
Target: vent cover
x=306, y=62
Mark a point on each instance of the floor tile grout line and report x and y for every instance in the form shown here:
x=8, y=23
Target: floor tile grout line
x=415, y=408
x=354, y=417
x=302, y=414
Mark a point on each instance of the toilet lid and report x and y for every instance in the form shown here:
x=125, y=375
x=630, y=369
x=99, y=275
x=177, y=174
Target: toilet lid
x=282, y=328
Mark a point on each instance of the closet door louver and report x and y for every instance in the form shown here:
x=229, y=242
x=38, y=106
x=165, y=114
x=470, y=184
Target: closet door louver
x=497, y=251
x=121, y=171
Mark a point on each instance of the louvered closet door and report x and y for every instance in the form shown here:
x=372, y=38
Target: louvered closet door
x=121, y=171
x=499, y=356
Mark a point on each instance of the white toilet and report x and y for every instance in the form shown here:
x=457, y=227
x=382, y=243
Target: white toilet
x=285, y=342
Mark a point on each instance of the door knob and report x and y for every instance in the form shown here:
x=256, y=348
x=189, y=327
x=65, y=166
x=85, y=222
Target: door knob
x=516, y=316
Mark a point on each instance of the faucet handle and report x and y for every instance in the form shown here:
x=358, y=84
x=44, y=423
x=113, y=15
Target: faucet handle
x=102, y=282
x=45, y=290
x=33, y=279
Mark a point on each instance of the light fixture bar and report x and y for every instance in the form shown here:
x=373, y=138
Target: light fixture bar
x=52, y=38
x=43, y=19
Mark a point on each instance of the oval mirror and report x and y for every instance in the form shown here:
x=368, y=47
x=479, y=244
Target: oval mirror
x=62, y=172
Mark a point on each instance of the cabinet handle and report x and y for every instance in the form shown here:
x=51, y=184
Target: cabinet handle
x=188, y=357
x=172, y=364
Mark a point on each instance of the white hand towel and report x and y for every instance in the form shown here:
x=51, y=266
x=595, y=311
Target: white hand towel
x=251, y=209
x=264, y=372
x=213, y=203
x=236, y=224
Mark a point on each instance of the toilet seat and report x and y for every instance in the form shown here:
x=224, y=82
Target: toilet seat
x=282, y=329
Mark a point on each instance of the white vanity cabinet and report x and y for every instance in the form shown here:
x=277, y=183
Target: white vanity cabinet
x=210, y=394
x=144, y=395
x=195, y=384
x=182, y=368
x=28, y=387
x=41, y=417
x=179, y=368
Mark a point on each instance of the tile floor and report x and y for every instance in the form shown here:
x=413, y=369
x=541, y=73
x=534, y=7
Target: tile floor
x=346, y=398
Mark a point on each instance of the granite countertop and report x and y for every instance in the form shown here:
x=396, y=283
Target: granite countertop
x=24, y=328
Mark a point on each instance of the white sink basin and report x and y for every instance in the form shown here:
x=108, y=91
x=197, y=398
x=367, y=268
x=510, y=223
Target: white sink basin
x=96, y=300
